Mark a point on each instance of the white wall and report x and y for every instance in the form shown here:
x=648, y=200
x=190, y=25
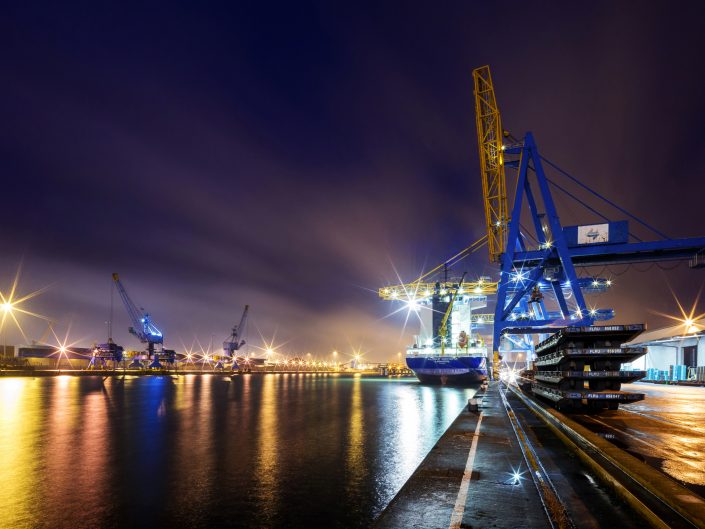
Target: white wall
x=661, y=357
x=665, y=355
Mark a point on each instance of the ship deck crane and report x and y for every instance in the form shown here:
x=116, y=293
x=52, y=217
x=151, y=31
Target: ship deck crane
x=443, y=328
x=236, y=339
x=145, y=331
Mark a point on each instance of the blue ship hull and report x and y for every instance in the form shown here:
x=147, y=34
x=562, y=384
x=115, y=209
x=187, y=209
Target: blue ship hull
x=448, y=370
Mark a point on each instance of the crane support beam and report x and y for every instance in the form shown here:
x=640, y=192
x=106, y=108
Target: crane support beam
x=554, y=264
x=489, y=137
x=423, y=290
x=612, y=254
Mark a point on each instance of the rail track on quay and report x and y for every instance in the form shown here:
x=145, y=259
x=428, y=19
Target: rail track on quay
x=656, y=497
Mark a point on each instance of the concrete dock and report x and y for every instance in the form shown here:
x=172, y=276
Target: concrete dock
x=502, y=466
x=468, y=479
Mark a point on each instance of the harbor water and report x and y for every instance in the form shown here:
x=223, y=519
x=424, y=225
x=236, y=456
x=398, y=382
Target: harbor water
x=275, y=450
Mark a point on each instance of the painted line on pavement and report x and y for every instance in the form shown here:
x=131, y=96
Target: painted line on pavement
x=456, y=517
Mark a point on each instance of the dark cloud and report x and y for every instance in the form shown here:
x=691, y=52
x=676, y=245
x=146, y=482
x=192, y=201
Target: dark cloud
x=285, y=155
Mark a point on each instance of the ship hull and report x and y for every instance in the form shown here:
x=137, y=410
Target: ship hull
x=449, y=371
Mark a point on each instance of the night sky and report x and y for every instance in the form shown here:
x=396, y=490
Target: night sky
x=291, y=155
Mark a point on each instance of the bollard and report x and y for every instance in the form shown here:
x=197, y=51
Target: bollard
x=473, y=404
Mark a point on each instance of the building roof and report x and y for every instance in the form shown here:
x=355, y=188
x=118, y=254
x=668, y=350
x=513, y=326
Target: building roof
x=671, y=333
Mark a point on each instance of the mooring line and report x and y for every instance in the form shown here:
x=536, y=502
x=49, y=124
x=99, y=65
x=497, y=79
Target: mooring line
x=456, y=517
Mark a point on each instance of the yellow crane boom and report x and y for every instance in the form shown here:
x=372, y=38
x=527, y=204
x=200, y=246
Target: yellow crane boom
x=489, y=138
x=416, y=290
x=423, y=289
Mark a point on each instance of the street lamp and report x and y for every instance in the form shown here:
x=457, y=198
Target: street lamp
x=7, y=309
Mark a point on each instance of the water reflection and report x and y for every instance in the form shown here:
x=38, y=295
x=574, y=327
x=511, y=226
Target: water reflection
x=268, y=447
x=355, y=460
x=408, y=421
x=18, y=471
x=206, y=451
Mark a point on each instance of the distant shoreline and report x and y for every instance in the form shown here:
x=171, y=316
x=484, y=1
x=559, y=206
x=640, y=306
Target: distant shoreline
x=38, y=373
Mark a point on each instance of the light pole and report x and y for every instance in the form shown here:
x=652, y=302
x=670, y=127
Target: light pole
x=269, y=354
x=335, y=360
x=7, y=309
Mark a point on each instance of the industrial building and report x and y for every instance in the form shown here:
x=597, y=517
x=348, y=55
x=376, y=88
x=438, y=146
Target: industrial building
x=670, y=347
x=46, y=356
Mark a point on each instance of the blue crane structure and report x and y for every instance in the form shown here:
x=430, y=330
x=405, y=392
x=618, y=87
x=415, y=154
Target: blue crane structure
x=560, y=251
x=236, y=339
x=143, y=328
x=547, y=256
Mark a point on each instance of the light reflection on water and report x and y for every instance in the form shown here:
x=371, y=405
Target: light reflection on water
x=279, y=450
x=18, y=471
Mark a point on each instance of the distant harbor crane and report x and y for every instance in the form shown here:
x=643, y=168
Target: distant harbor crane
x=236, y=340
x=143, y=328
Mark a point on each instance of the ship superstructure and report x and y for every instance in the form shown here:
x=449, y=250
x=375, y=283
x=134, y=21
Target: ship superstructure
x=448, y=348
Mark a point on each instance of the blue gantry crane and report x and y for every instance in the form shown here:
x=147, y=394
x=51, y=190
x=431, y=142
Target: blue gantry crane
x=547, y=256
x=236, y=339
x=143, y=328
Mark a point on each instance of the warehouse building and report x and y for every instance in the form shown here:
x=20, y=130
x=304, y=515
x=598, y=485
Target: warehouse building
x=49, y=357
x=673, y=353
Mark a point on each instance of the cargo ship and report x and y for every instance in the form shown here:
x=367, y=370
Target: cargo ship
x=448, y=350
x=464, y=367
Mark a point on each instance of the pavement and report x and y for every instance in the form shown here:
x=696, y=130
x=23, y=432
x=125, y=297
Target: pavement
x=475, y=476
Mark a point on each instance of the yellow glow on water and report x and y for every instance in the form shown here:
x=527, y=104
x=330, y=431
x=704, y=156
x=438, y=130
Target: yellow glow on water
x=268, y=445
x=198, y=487
x=92, y=423
x=10, y=392
x=19, y=469
x=355, y=456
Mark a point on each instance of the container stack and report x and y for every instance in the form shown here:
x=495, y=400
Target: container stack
x=678, y=372
x=700, y=374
